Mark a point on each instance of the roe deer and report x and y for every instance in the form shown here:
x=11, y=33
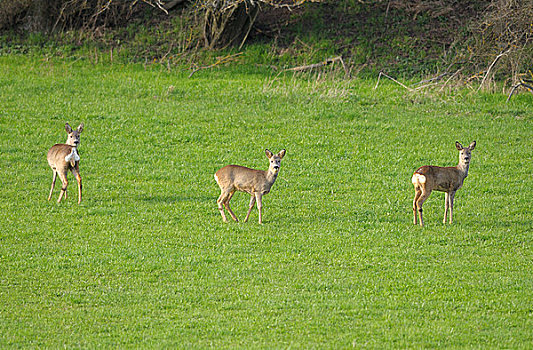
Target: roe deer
x=63, y=157
x=446, y=179
x=233, y=178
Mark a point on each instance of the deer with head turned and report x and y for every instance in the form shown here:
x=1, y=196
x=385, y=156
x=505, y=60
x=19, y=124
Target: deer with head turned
x=445, y=179
x=257, y=183
x=64, y=157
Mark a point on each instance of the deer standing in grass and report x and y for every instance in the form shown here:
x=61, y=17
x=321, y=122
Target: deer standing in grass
x=63, y=157
x=446, y=179
x=233, y=178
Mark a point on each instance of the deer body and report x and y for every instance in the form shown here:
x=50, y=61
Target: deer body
x=445, y=179
x=257, y=183
x=64, y=157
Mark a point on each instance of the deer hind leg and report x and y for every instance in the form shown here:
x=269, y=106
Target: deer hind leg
x=53, y=183
x=252, y=203
x=226, y=204
x=446, y=206
x=450, y=204
x=423, y=196
x=76, y=173
x=418, y=192
x=220, y=202
x=259, y=197
x=63, y=178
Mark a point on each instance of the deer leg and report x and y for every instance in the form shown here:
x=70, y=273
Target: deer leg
x=53, y=183
x=252, y=203
x=446, y=206
x=221, y=199
x=259, y=197
x=450, y=203
x=63, y=178
x=419, y=204
x=76, y=173
x=226, y=204
x=418, y=192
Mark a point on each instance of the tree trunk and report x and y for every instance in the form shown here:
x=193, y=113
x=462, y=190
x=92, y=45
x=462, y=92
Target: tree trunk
x=229, y=26
x=170, y=4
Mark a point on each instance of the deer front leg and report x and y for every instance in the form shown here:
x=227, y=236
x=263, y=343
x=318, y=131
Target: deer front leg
x=259, y=197
x=252, y=203
x=76, y=172
x=53, y=184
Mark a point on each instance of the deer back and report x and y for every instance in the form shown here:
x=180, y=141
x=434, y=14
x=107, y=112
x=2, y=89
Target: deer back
x=243, y=179
x=441, y=178
x=56, y=156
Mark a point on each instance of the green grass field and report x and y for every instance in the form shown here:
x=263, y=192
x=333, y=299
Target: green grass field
x=146, y=261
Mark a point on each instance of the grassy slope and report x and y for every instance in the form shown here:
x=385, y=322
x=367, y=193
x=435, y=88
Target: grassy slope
x=146, y=260
x=370, y=37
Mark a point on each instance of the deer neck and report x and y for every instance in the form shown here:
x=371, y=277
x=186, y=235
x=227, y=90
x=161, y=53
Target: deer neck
x=73, y=156
x=463, y=168
x=271, y=176
x=71, y=144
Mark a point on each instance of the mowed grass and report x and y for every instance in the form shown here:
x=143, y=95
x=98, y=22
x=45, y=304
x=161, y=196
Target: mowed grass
x=146, y=261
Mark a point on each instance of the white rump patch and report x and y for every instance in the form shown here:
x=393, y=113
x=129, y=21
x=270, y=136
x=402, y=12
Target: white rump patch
x=216, y=178
x=418, y=178
x=72, y=156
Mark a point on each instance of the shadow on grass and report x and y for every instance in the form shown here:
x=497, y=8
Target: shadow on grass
x=169, y=198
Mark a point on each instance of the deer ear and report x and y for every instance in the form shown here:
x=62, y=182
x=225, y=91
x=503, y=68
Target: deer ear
x=281, y=153
x=268, y=153
x=458, y=145
x=68, y=128
x=80, y=128
x=472, y=145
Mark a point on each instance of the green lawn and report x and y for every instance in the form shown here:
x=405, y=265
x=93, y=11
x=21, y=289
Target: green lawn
x=146, y=261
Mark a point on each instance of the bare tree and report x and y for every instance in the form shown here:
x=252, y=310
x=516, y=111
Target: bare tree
x=228, y=22
x=55, y=15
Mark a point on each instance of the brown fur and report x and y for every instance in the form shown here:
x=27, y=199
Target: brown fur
x=56, y=159
x=428, y=178
x=232, y=178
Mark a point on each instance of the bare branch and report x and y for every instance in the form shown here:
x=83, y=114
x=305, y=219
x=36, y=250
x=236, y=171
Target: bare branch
x=529, y=87
x=450, y=78
x=434, y=79
x=491, y=66
x=321, y=64
x=394, y=80
x=156, y=3
x=221, y=60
